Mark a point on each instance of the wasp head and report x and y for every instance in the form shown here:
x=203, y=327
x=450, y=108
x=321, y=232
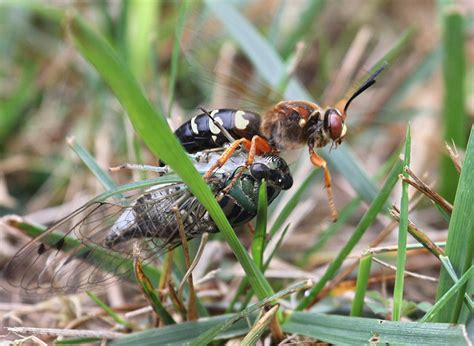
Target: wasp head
x=324, y=128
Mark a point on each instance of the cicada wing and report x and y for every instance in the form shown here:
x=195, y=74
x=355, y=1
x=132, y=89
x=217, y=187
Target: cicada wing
x=76, y=253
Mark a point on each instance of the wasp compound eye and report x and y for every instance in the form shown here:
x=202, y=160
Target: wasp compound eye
x=259, y=171
x=333, y=124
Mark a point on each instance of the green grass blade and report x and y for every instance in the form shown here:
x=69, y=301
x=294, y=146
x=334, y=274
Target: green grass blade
x=108, y=310
x=175, y=53
x=292, y=203
x=454, y=114
x=259, y=327
x=12, y=108
x=210, y=334
x=460, y=243
x=363, y=225
x=153, y=129
x=348, y=210
x=91, y=163
x=244, y=283
x=250, y=292
x=258, y=243
x=402, y=236
x=184, y=333
x=150, y=293
x=344, y=330
x=300, y=32
x=77, y=341
x=331, y=230
x=365, y=263
x=454, y=290
x=452, y=273
x=141, y=26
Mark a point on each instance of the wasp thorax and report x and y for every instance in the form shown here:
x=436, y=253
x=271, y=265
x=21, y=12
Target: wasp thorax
x=333, y=125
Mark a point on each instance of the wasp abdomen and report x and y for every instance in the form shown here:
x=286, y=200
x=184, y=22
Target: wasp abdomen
x=201, y=133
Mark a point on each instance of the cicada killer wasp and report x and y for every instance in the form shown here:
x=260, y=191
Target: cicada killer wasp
x=287, y=125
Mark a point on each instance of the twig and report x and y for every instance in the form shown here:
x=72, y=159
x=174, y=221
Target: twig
x=193, y=265
x=394, y=248
x=178, y=304
x=350, y=268
x=408, y=273
x=418, y=234
x=418, y=184
x=454, y=155
x=192, y=307
x=76, y=333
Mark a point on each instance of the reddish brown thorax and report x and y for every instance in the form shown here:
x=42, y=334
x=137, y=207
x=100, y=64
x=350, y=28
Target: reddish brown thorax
x=292, y=124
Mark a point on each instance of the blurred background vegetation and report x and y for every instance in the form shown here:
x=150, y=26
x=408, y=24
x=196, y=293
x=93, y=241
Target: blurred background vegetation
x=185, y=58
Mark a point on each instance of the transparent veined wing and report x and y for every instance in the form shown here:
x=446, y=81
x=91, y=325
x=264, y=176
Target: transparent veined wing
x=93, y=246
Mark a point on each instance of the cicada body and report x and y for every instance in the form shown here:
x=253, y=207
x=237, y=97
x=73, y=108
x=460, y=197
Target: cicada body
x=93, y=247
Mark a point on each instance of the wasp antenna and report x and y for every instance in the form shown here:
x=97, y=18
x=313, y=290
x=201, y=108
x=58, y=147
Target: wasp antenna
x=219, y=125
x=367, y=84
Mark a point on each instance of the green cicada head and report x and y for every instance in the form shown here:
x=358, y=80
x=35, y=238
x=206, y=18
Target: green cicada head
x=274, y=170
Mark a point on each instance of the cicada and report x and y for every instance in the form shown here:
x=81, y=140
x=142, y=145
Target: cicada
x=93, y=246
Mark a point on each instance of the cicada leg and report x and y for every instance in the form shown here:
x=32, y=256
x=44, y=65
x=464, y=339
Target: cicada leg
x=139, y=167
x=318, y=161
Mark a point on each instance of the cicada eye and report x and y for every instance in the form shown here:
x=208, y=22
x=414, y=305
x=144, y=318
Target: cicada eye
x=286, y=182
x=259, y=171
x=334, y=124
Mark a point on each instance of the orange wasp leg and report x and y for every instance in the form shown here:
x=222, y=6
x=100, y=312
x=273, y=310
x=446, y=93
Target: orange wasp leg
x=256, y=145
x=318, y=161
x=225, y=156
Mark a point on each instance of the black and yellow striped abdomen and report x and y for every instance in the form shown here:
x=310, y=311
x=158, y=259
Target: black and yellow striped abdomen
x=201, y=133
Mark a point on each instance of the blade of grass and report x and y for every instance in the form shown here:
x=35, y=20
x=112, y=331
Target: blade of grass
x=141, y=21
x=300, y=31
x=454, y=115
x=210, y=334
x=348, y=210
x=77, y=341
x=250, y=292
x=12, y=108
x=449, y=268
x=91, y=163
x=363, y=225
x=455, y=289
x=344, y=214
x=259, y=327
x=150, y=293
x=258, y=242
x=365, y=263
x=402, y=236
x=148, y=123
x=460, y=243
x=108, y=310
x=292, y=203
x=345, y=330
x=175, y=54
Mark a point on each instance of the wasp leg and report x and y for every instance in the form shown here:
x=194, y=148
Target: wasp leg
x=257, y=145
x=225, y=156
x=318, y=161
